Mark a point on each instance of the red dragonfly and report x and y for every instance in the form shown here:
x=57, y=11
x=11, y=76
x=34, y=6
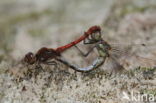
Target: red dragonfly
x=45, y=55
x=110, y=55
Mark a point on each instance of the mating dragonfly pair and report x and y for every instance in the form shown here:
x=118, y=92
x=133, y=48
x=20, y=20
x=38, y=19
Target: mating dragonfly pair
x=49, y=56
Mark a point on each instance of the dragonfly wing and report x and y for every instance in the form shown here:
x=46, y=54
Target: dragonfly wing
x=142, y=61
x=130, y=59
x=111, y=64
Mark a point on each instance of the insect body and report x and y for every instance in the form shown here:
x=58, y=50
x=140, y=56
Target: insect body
x=45, y=55
x=102, y=48
x=105, y=51
x=92, y=36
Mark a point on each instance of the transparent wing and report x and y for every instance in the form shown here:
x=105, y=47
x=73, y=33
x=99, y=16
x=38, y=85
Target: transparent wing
x=128, y=58
x=111, y=64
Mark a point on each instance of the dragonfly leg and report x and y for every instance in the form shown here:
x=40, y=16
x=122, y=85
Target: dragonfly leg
x=88, y=41
x=51, y=63
x=82, y=53
x=38, y=66
x=38, y=69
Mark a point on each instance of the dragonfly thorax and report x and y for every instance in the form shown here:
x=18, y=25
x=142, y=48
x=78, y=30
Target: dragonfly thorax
x=45, y=54
x=103, y=48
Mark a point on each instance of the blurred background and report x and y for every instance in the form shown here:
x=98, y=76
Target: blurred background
x=28, y=25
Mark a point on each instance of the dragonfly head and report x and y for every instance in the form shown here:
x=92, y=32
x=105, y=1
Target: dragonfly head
x=95, y=32
x=30, y=58
x=96, y=36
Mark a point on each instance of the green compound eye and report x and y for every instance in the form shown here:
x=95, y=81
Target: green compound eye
x=96, y=36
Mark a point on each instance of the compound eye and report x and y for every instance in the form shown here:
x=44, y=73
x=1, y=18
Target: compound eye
x=96, y=35
x=29, y=55
x=29, y=58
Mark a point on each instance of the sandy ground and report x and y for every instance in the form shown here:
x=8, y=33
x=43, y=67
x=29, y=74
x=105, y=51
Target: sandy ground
x=29, y=25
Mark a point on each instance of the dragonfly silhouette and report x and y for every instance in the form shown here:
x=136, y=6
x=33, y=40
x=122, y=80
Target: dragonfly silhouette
x=108, y=52
x=47, y=55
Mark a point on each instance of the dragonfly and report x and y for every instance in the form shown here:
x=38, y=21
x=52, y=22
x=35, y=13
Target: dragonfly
x=48, y=55
x=106, y=53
